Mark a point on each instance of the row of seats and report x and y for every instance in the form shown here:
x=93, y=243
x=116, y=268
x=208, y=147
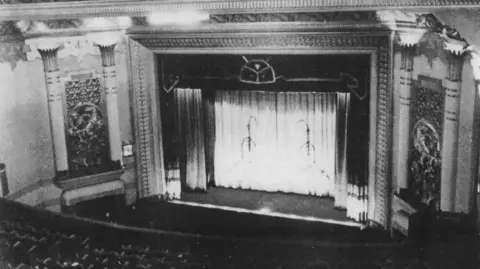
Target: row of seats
x=24, y=245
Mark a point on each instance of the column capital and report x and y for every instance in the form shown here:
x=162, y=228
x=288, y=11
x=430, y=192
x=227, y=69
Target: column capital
x=45, y=44
x=410, y=38
x=105, y=39
x=454, y=47
x=456, y=50
x=108, y=55
x=48, y=49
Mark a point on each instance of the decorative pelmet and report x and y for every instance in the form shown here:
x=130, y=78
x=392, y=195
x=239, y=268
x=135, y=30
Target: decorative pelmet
x=379, y=42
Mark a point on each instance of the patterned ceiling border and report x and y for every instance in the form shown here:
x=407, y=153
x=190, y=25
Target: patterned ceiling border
x=352, y=16
x=378, y=42
x=106, y=8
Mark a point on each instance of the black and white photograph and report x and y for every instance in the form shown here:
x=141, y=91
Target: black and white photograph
x=239, y=134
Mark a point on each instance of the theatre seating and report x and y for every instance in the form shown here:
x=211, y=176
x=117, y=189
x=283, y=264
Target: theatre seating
x=27, y=242
x=24, y=246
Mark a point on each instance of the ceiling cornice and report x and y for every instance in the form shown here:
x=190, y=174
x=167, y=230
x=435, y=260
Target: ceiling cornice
x=105, y=8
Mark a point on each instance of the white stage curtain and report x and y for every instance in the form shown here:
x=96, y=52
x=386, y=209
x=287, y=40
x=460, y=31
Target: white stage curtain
x=276, y=141
x=189, y=116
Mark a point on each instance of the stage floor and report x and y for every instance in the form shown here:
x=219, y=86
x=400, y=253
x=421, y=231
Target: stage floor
x=286, y=205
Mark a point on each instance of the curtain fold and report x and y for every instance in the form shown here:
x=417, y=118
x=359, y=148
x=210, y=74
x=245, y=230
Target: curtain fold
x=341, y=178
x=191, y=135
x=274, y=141
x=209, y=136
x=293, y=142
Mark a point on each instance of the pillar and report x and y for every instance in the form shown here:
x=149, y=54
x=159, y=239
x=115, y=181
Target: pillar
x=474, y=201
x=407, y=42
x=452, y=85
x=109, y=74
x=55, y=107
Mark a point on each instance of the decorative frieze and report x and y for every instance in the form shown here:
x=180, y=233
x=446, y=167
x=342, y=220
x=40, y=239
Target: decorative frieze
x=297, y=40
x=76, y=9
x=349, y=16
x=70, y=46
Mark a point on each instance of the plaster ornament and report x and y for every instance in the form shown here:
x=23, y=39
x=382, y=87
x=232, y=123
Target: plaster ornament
x=410, y=38
x=105, y=39
x=45, y=43
x=456, y=47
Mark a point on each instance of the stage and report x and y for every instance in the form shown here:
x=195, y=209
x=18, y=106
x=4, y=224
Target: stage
x=274, y=204
x=240, y=213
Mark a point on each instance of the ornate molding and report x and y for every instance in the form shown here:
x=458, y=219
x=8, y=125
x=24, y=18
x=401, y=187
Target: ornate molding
x=107, y=8
x=352, y=16
x=143, y=122
x=379, y=42
x=410, y=38
x=261, y=40
x=455, y=47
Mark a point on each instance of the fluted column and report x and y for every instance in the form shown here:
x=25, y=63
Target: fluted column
x=450, y=124
x=407, y=41
x=109, y=74
x=467, y=193
x=55, y=106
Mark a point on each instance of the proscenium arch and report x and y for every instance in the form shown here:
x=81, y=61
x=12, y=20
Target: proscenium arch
x=145, y=85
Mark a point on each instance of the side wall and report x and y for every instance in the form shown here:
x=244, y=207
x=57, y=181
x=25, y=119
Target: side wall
x=25, y=136
x=466, y=162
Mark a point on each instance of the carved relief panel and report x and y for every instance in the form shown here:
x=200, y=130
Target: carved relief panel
x=87, y=137
x=425, y=146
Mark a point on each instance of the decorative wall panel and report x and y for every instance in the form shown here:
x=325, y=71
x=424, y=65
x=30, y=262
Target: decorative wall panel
x=429, y=102
x=87, y=137
x=425, y=146
x=379, y=43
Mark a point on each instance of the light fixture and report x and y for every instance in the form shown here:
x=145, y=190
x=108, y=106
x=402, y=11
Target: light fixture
x=187, y=17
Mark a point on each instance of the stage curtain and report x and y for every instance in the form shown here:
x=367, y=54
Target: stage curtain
x=209, y=131
x=341, y=178
x=284, y=141
x=191, y=135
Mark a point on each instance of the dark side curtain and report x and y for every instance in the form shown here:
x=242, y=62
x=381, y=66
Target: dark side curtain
x=190, y=133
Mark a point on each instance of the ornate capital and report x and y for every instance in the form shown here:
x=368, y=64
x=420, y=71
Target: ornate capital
x=108, y=55
x=454, y=47
x=455, y=67
x=50, y=59
x=45, y=44
x=105, y=39
x=410, y=38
